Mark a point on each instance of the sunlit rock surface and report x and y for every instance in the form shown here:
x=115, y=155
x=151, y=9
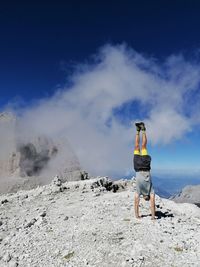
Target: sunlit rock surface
x=92, y=223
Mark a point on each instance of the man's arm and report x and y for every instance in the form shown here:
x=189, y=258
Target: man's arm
x=136, y=205
x=152, y=202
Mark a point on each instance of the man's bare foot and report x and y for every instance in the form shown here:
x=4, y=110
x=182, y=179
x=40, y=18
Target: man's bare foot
x=153, y=218
x=138, y=217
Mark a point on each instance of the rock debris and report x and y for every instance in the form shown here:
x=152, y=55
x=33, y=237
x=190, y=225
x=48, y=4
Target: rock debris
x=91, y=223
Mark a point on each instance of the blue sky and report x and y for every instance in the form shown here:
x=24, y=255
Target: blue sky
x=50, y=50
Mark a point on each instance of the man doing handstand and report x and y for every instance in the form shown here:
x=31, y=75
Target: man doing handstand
x=142, y=166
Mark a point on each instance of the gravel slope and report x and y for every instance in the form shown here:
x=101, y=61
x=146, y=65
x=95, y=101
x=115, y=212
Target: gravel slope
x=72, y=224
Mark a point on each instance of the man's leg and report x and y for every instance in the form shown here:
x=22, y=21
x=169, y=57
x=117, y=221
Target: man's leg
x=144, y=140
x=152, y=204
x=137, y=142
x=144, y=136
x=136, y=205
x=137, y=139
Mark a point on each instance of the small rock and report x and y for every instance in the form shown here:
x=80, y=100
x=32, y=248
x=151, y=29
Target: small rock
x=97, y=194
x=57, y=181
x=7, y=257
x=84, y=191
x=66, y=218
x=4, y=201
x=43, y=214
x=24, y=197
x=141, y=258
x=85, y=262
x=40, y=221
x=84, y=175
x=69, y=255
x=13, y=263
x=57, y=252
x=21, y=257
x=30, y=223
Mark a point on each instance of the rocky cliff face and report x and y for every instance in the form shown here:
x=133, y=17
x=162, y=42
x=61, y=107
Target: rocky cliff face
x=91, y=223
x=29, y=160
x=9, y=160
x=189, y=194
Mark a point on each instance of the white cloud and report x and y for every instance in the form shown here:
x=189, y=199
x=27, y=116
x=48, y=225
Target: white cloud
x=117, y=76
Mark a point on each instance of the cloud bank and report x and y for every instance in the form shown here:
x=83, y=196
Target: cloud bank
x=118, y=86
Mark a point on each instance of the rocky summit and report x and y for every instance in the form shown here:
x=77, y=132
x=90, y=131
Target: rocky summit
x=91, y=223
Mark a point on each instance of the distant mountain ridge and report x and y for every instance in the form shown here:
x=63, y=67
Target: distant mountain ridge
x=172, y=185
x=189, y=194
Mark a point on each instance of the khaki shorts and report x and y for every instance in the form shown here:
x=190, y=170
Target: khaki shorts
x=144, y=183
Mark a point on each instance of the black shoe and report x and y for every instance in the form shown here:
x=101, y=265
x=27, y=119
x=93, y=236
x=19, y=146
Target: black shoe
x=142, y=126
x=137, y=124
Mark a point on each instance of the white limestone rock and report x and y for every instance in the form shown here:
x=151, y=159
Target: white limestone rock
x=70, y=228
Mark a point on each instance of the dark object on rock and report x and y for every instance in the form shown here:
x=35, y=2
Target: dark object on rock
x=84, y=175
x=32, y=222
x=115, y=187
x=66, y=218
x=160, y=214
x=43, y=214
x=108, y=184
x=57, y=181
x=103, y=182
x=4, y=201
x=69, y=255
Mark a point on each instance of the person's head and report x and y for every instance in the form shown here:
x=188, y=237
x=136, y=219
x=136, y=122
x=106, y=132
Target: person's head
x=146, y=197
